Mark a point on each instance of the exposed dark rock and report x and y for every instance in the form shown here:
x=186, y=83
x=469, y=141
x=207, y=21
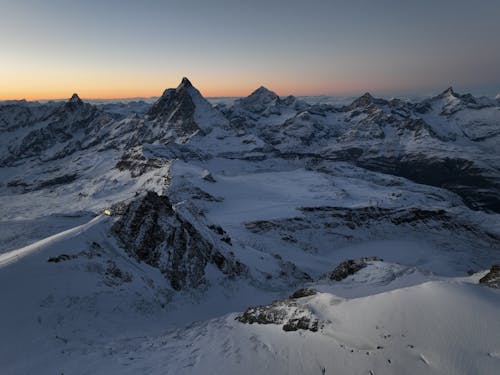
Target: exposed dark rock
x=290, y=270
x=61, y=258
x=492, y=278
x=345, y=217
x=463, y=177
x=18, y=184
x=138, y=164
x=202, y=195
x=177, y=109
x=222, y=233
x=350, y=267
x=115, y=275
x=153, y=232
x=287, y=313
x=73, y=103
x=304, y=292
x=272, y=314
x=59, y=180
x=304, y=323
x=119, y=208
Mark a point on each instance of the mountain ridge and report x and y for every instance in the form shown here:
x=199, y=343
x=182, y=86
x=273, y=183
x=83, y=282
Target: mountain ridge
x=170, y=218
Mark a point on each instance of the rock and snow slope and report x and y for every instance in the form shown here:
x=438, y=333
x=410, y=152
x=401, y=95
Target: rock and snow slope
x=218, y=211
x=431, y=328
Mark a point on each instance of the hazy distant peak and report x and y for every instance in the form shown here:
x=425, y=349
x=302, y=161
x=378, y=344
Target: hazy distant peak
x=448, y=92
x=73, y=103
x=364, y=100
x=264, y=91
x=75, y=99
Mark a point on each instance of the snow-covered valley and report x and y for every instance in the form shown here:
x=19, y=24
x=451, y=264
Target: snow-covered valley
x=260, y=235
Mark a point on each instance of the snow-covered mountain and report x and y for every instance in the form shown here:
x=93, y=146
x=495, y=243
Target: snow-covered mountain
x=264, y=236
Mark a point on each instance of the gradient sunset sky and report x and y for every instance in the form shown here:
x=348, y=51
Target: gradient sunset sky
x=124, y=48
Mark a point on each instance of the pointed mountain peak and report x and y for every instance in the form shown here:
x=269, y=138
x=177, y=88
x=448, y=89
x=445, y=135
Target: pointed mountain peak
x=363, y=101
x=185, y=110
x=260, y=100
x=263, y=91
x=75, y=99
x=73, y=103
x=448, y=92
x=185, y=83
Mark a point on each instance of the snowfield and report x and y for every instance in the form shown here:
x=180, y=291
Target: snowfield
x=263, y=235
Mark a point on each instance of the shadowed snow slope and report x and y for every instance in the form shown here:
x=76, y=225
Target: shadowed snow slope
x=215, y=216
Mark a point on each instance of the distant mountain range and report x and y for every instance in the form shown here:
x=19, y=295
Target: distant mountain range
x=262, y=234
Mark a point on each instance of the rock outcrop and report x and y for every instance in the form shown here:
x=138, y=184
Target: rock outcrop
x=288, y=313
x=153, y=232
x=350, y=267
x=492, y=278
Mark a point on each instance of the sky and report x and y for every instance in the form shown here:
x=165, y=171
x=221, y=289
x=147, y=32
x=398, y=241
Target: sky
x=123, y=48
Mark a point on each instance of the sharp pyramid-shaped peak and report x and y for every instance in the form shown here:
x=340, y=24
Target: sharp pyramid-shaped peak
x=364, y=100
x=73, y=103
x=263, y=92
x=367, y=98
x=448, y=92
x=185, y=82
x=261, y=96
x=185, y=86
x=185, y=109
x=75, y=99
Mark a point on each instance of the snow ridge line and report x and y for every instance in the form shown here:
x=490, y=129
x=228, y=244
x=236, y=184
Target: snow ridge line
x=15, y=255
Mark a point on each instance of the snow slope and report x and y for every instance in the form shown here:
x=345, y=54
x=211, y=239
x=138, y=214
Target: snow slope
x=217, y=210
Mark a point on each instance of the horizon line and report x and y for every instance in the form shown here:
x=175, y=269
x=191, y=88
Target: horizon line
x=360, y=93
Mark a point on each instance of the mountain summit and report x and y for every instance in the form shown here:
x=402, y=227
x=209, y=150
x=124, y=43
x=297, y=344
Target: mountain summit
x=185, y=109
x=259, y=100
x=185, y=82
x=74, y=102
x=447, y=93
x=75, y=99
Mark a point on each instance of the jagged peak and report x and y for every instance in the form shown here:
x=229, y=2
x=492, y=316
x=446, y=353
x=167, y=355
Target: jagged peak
x=363, y=101
x=73, y=103
x=75, y=99
x=185, y=109
x=448, y=92
x=185, y=82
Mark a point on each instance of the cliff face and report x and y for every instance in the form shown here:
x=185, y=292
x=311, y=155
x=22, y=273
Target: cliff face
x=153, y=232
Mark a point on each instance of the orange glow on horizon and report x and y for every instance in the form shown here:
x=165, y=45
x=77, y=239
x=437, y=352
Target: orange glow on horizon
x=112, y=88
x=206, y=91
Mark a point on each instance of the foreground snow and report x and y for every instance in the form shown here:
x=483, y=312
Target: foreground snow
x=445, y=326
x=432, y=328
x=75, y=316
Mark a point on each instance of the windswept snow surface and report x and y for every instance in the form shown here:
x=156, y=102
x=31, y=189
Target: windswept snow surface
x=252, y=199
x=431, y=328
